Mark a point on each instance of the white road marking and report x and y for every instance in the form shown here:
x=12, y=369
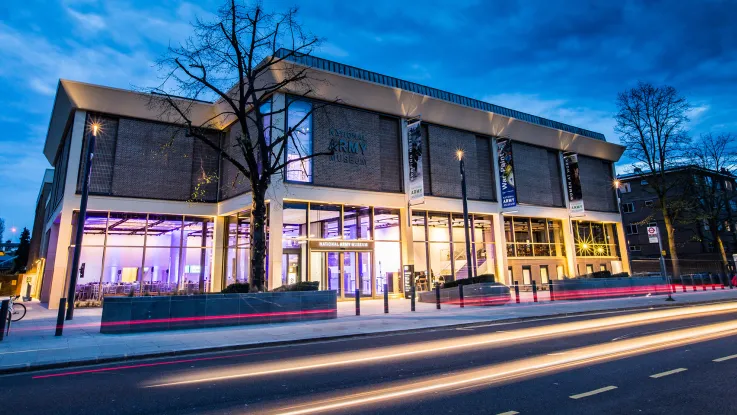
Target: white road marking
x=593, y=392
x=670, y=372
x=721, y=359
x=508, y=413
x=464, y=329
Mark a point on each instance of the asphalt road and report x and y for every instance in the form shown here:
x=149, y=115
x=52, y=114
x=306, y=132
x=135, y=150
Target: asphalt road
x=653, y=362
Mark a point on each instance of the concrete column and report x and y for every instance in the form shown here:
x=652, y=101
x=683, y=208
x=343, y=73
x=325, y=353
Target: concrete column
x=69, y=203
x=623, y=248
x=500, y=249
x=405, y=234
x=217, y=274
x=61, y=260
x=570, y=248
x=276, y=224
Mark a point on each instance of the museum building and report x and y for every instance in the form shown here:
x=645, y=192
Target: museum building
x=166, y=213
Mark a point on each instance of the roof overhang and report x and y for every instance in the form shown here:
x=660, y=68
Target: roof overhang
x=72, y=96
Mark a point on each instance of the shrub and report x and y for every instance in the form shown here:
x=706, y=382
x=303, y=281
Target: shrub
x=468, y=281
x=300, y=286
x=621, y=275
x=237, y=288
x=599, y=274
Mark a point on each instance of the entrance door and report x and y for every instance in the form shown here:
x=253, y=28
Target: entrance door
x=333, y=271
x=357, y=273
x=290, y=269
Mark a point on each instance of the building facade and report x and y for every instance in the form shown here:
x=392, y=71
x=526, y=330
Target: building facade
x=694, y=236
x=343, y=220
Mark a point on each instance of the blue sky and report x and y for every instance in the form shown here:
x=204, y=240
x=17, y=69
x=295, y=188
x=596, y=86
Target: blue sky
x=561, y=60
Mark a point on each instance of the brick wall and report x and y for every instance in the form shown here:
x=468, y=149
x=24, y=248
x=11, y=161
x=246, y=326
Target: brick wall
x=143, y=159
x=377, y=166
x=537, y=175
x=232, y=183
x=596, y=183
x=444, y=167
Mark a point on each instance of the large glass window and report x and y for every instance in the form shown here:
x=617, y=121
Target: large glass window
x=533, y=237
x=145, y=253
x=595, y=239
x=299, y=122
x=440, y=247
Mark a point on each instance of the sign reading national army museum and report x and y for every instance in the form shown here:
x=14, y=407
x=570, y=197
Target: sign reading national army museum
x=347, y=146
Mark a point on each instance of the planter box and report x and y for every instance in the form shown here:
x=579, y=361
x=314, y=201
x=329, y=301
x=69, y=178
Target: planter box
x=485, y=293
x=139, y=314
x=591, y=288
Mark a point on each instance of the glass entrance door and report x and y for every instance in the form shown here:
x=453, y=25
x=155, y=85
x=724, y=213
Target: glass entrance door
x=357, y=273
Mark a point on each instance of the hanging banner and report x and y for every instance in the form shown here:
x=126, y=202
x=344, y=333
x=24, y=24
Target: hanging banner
x=414, y=148
x=573, y=184
x=506, y=174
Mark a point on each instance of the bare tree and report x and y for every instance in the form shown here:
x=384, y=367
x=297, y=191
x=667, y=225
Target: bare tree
x=711, y=195
x=651, y=122
x=241, y=59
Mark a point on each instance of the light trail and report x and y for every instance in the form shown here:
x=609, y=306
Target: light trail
x=523, y=368
x=441, y=346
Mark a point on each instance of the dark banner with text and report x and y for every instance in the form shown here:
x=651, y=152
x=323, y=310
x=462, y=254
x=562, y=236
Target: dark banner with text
x=506, y=173
x=573, y=183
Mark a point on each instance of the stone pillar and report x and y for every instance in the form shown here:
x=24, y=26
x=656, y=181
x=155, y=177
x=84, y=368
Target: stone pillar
x=276, y=224
x=623, y=248
x=500, y=249
x=570, y=248
x=217, y=274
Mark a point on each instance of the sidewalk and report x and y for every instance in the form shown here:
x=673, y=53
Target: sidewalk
x=32, y=344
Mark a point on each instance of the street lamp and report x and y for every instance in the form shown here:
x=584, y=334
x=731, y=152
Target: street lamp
x=469, y=262
x=95, y=127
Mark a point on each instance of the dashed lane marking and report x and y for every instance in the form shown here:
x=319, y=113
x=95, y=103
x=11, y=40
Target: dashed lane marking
x=593, y=392
x=721, y=359
x=670, y=372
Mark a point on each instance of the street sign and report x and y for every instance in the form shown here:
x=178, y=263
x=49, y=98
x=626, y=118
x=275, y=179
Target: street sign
x=652, y=234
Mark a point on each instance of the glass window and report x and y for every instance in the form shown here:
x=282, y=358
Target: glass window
x=438, y=229
x=483, y=236
x=459, y=233
x=126, y=229
x=356, y=222
x=299, y=121
x=294, y=230
x=418, y=226
x=386, y=224
x=324, y=221
x=164, y=230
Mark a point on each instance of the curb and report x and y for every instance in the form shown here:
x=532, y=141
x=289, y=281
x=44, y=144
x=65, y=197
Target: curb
x=236, y=347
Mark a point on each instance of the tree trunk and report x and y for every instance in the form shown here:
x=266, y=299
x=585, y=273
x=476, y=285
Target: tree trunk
x=258, y=240
x=722, y=252
x=671, y=243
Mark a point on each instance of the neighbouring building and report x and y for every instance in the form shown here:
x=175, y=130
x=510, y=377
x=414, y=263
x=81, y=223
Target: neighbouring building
x=342, y=220
x=696, y=248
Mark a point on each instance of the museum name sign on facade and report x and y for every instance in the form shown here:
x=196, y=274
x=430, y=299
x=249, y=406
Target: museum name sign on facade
x=347, y=147
x=338, y=245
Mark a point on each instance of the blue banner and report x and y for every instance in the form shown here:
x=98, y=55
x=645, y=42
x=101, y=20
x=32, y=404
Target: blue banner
x=506, y=173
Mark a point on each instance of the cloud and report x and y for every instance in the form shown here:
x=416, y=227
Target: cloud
x=88, y=21
x=559, y=110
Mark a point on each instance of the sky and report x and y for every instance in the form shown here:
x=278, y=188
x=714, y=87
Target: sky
x=561, y=60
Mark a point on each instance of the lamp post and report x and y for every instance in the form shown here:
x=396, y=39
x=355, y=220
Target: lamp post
x=469, y=262
x=80, y=221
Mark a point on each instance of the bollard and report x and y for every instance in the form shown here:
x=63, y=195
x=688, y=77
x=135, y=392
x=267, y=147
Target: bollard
x=683, y=283
x=437, y=296
x=516, y=291
x=60, y=317
x=358, y=302
x=386, y=300
x=713, y=285
x=703, y=284
x=460, y=294
x=4, y=309
x=693, y=282
x=534, y=291
x=413, y=297
x=550, y=288
x=721, y=279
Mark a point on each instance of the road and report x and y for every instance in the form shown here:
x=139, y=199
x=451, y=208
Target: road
x=673, y=361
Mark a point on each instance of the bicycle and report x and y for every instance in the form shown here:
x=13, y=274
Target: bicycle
x=16, y=311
